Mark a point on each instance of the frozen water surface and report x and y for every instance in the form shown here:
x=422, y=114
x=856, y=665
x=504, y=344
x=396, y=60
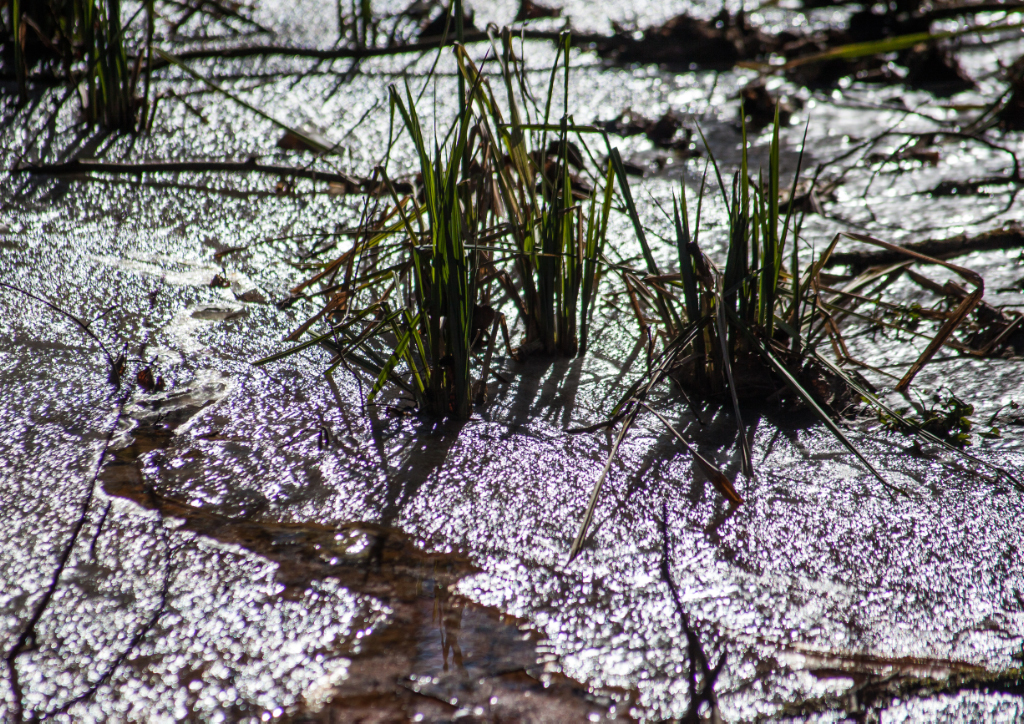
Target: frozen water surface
x=257, y=546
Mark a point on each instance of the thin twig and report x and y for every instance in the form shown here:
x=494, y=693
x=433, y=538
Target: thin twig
x=26, y=640
x=84, y=325
x=140, y=634
x=424, y=45
x=351, y=184
x=1010, y=236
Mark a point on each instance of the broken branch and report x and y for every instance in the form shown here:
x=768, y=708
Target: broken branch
x=1010, y=236
x=350, y=184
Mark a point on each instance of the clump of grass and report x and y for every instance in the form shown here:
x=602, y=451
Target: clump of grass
x=555, y=221
x=762, y=328
x=511, y=214
x=84, y=42
x=504, y=219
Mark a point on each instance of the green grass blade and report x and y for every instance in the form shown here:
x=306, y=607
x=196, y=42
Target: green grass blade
x=389, y=366
x=795, y=263
x=722, y=334
x=900, y=42
x=588, y=517
x=634, y=217
x=597, y=232
x=309, y=343
x=772, y=258
x=683, y=241
x=718, y=172
x=665, y=308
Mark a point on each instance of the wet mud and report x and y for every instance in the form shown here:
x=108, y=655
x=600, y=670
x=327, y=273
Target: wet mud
x=439, y=656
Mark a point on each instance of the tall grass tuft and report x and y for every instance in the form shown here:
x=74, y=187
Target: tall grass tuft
x=555, y=220
x=436, y=343
x=764, y=326
x=506, y=219
x=85, y=42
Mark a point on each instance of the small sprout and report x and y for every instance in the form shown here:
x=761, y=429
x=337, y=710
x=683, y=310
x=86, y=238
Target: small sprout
x=912, y=316
x=948, y=419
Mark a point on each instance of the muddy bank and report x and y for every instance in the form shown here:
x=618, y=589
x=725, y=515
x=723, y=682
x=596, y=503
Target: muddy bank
x=435, y=656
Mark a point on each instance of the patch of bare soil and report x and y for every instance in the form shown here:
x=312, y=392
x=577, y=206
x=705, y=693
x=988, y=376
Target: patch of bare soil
x=439, y=656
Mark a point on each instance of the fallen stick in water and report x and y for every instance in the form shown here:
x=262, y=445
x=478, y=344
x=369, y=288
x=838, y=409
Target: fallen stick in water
x=349, y=184
x=1010, y=236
